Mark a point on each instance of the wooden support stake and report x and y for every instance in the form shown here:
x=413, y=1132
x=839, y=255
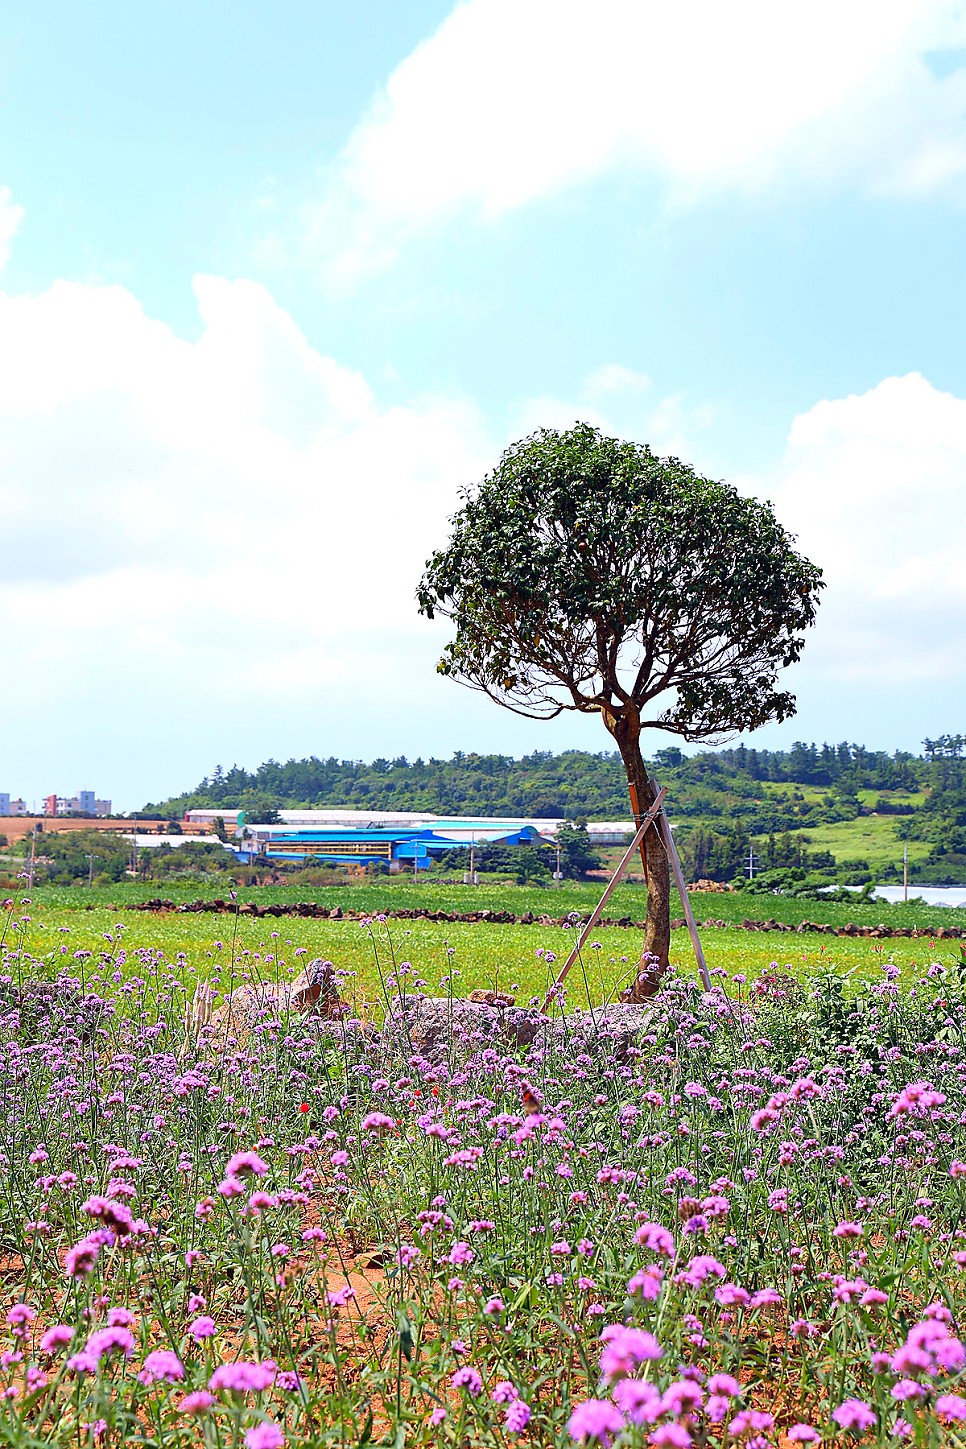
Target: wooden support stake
x=667, y=837
x=646, y=822
x=638, y=813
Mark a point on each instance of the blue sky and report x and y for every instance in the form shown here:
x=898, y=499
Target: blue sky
x=280, y=280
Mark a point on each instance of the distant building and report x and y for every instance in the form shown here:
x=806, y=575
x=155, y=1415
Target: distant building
x=401, y=847
x=464, y=831
x=231, y=819
x=83, y=803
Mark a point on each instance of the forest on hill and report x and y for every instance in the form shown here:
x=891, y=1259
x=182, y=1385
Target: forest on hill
x=726, y=801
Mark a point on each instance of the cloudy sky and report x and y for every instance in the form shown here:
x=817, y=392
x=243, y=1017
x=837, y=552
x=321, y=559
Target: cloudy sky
x=279, y=280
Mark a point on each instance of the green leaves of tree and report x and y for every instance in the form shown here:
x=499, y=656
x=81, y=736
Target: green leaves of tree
x=586, y=573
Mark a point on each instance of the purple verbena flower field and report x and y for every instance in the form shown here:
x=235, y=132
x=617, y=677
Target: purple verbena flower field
x=745, y=1229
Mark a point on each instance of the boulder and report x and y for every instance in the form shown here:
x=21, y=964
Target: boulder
x=437, y=1026
x=433, y=1026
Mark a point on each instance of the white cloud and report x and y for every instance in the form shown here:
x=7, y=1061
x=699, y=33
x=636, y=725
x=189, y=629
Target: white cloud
x=511, y=101
x=11, y=215
x=875, y=488
x=210, y=525
x=211, y=547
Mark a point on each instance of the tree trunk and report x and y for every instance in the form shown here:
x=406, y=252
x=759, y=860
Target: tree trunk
x=657, y=934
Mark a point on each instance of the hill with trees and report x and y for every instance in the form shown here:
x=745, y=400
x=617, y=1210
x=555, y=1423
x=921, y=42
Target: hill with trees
x=724, y=802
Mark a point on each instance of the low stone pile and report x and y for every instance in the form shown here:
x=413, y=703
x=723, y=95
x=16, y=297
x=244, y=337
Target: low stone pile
x=313, y=911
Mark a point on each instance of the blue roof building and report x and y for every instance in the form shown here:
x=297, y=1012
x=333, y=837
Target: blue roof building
x=401, y=848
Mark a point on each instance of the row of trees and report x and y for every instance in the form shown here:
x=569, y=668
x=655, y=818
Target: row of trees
x=942, y=819
x=751, y=784
x=78, y=856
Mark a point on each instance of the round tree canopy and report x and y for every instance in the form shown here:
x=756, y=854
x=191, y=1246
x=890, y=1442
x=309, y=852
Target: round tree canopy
x=587, y=573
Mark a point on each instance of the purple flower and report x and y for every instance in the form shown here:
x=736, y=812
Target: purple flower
x=647, y=1283
x=854, y=1414
x=803, y=1434
x=916, y=1098
x=80, y=1259
x=161, y=1365
x=110, y=1340
x=459, y=1254
x=57, y=1337
x=243, y=1163
x=951, y=1406
x=467, y=1378
x=595, y=1419
x=264, y=1436
x=197, y=1402
x=113, y=1215
x=20, y=1314
x=751, y=1421
x=658, y=1239
x=674, y=1434
x=724, y=1384
x=377, y=1122
x=82, y=1363
x=638, y=1400
x=680, y=1398
x=243, y=1377
x=625, y=1349
x=202, y=1328
x=516, y=1417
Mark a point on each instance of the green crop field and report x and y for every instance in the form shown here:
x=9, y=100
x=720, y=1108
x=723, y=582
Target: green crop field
x=445, y=955
x=399, y=892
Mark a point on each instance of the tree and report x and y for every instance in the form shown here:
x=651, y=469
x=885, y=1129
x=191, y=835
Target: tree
x=588, y=574
x=577, y=855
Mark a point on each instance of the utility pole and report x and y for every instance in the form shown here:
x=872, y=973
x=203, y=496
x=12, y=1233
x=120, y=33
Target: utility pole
x=750, y=864
x=90, y=872
x=33, y=854
x=558, y=873
x=905, y=872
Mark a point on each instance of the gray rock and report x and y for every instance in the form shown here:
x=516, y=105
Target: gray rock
x=435, y=1025
x=611, y=1030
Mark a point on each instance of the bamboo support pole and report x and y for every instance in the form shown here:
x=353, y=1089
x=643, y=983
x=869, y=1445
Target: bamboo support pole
x=647, y=821
x=667, y=836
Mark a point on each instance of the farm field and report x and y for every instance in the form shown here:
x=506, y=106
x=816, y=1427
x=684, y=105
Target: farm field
x=746, y=1232
x=400, y=893
x=447, y=955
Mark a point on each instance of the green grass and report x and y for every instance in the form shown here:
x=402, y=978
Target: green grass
x=479, y=955
x=400, y=893
x=874, y=838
